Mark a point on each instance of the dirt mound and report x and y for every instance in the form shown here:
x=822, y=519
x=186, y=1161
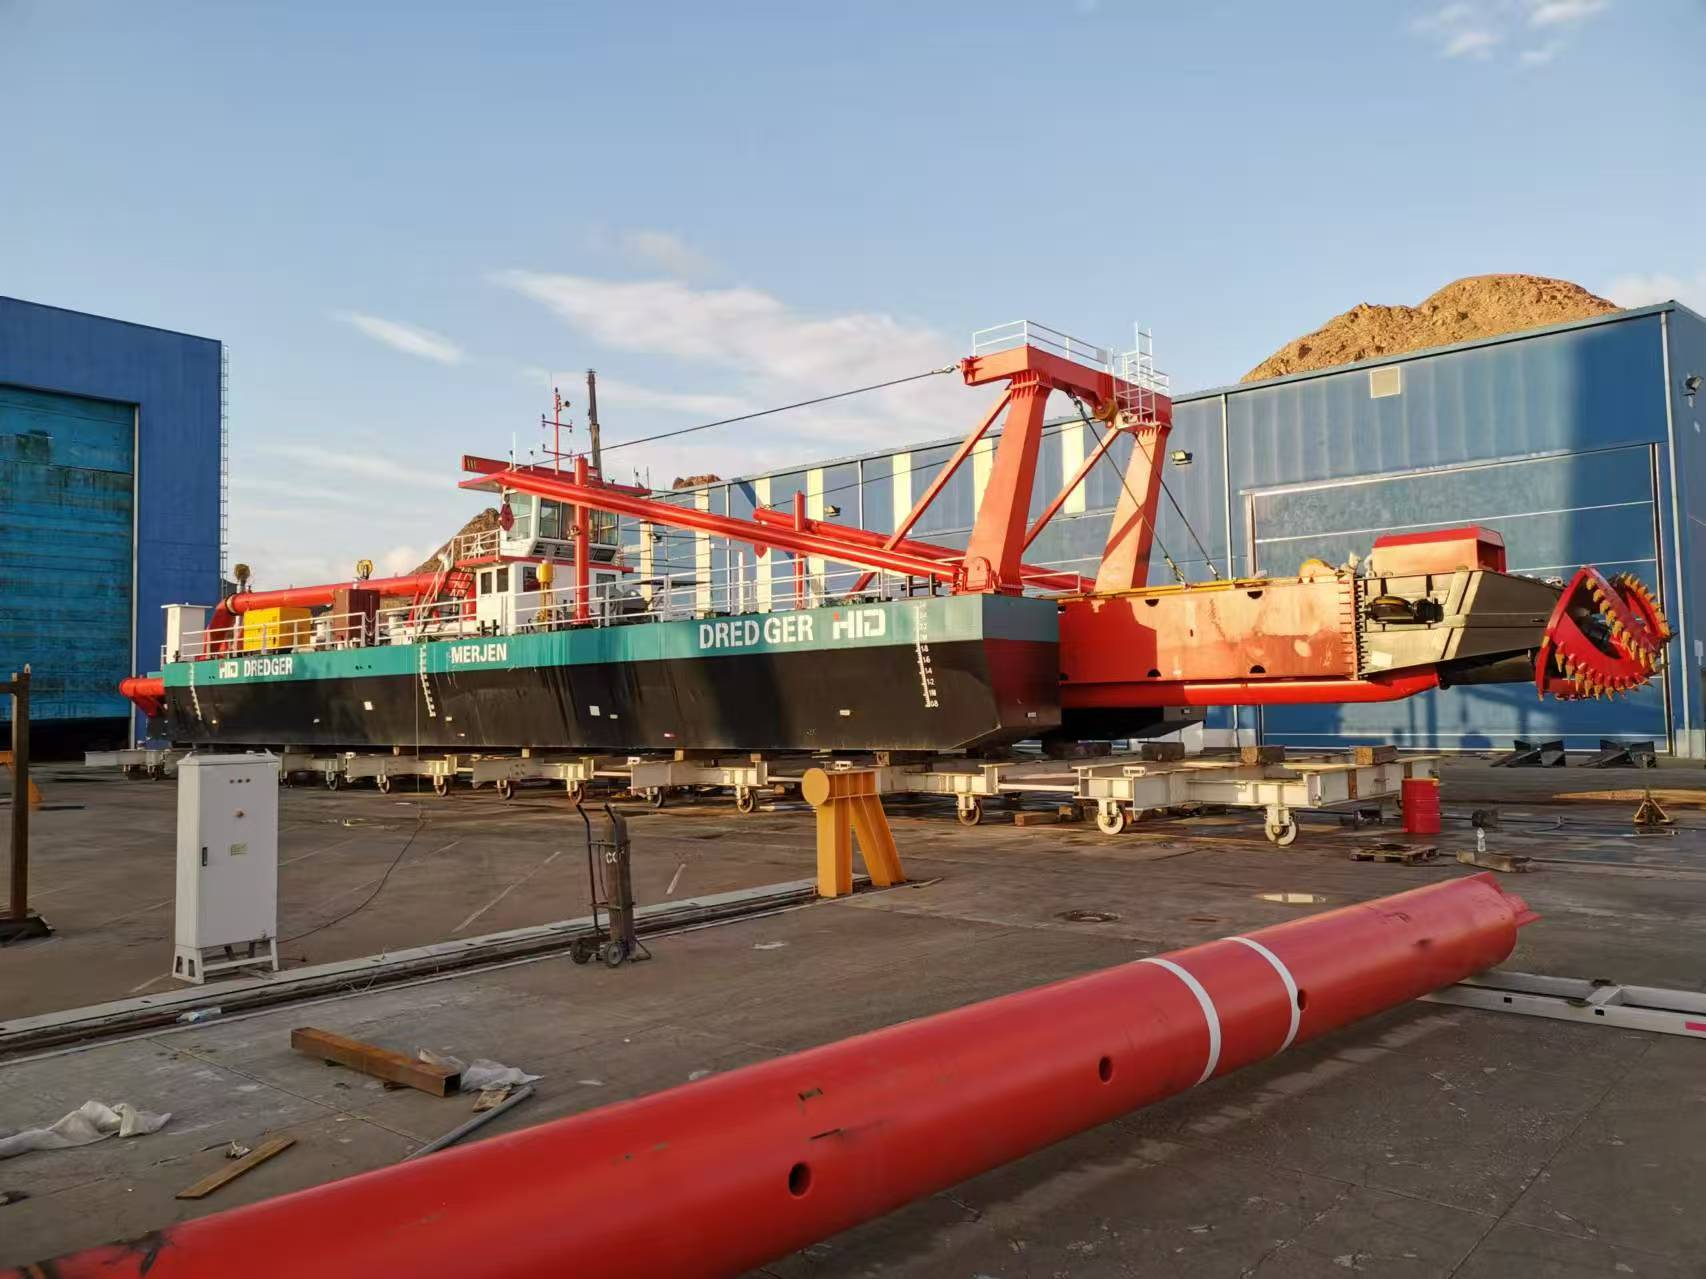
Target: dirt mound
x=1477, y=306
x=694, y=481
x=484, y=522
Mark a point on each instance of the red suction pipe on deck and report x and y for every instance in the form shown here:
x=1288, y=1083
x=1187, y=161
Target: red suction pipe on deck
x=315, y=596
x=225, y=613
x=715, y=1177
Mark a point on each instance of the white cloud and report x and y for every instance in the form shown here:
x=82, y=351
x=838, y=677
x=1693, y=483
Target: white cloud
x=341, y=464
x=1474, y=42
x=422, y=343
x=768, y=353
x=1459, y=30
x=664, y=250
x=1559, y=13
x=1657, y=286
x=619, y=394
x=1477, y=28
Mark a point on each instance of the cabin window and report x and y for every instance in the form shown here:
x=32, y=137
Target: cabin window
x=551, y=522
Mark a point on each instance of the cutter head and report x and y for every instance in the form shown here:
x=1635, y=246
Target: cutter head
x=1606, y=636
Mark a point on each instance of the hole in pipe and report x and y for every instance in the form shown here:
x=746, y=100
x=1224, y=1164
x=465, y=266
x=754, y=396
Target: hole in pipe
x=1302, y=999
x=799, y=1179
x=1105, y=1069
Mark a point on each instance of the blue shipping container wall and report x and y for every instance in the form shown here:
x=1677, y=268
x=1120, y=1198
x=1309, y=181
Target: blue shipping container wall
x=1565, y=439
x=109, y=477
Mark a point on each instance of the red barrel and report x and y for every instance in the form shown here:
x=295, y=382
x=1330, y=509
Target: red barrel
x=715, y=1177
x=1420, y=797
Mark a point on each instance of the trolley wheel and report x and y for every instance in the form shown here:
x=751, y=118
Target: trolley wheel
x=615, y=952
x=383, y=782
x=505, y=788
x=745, y=800
x=577, y=792
x=441, y=785
x=283, y=777
x=334, y=780
x=656, y=796
x=1283, y=834
x=581, y=949
x=156, y=772
x=970, y=814
x=1111, y=821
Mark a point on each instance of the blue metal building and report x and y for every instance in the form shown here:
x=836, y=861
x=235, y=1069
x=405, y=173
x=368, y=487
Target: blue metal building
x=111, y=505
x=1580, y=443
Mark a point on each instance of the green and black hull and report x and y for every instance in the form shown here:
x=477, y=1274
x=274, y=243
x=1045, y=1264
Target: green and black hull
x=936, y=674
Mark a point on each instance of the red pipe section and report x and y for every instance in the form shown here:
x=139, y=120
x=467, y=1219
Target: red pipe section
x=1045, y=579
x=316, y=596
x=1248, y=692
x=147, y=692
x=715, y=1177
x=798, y=541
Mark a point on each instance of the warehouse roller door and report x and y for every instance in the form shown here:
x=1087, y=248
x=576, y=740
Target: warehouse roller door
x=67, y=480
x=1555, y=513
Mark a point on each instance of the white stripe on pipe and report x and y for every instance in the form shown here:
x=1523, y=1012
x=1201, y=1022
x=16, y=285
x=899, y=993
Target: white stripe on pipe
x=1286, y=977
x=1209, y=1014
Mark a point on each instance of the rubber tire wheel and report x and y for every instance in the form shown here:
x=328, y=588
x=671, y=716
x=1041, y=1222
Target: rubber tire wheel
x=1111, y=824
x=505, y=788
x=577, y=792
x=441, y=786
x=333, y=781
x=383, y=782
x=580, y=950
x=1282, y=836
x=970, y=816
x=614, y=953
x=156, y=772
x=745, y=801
x=657, y=796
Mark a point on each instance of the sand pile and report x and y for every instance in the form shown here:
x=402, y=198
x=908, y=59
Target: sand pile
x=484, y=522
x=1476, y=306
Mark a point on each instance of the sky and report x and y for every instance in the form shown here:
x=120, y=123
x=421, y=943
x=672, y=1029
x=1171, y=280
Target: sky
x=408, y=220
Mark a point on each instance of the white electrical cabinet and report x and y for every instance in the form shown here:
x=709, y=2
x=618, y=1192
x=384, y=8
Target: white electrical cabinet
x=227, y=864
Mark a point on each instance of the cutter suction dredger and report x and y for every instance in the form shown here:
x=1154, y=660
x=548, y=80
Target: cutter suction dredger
x=541, y=634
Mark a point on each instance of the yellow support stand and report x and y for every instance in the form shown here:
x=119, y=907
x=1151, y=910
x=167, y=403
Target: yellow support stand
x=847, y=805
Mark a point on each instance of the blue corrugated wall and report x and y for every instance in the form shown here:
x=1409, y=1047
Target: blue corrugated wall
x=1560, y=438
x=168, y=385
x=65, y=541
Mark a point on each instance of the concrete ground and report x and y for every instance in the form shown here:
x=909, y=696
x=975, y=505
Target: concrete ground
x=1428, y=1141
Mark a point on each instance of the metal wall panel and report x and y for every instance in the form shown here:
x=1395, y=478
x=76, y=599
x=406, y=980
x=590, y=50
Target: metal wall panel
x=66, y=468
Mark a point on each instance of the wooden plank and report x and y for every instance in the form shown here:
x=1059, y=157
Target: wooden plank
x=1037, y=817
x=1261, y=754
x=1366, y=755
x=237, y=1167
x=370, y=1059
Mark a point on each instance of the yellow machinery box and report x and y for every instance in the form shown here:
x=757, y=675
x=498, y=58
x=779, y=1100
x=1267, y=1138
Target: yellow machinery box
x=267, y=629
